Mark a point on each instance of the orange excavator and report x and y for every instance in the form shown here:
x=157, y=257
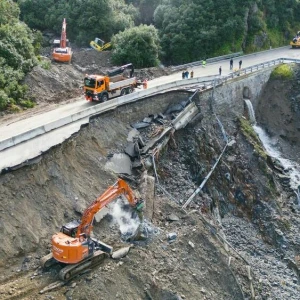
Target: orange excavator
x=63, y=53
x=74, y=247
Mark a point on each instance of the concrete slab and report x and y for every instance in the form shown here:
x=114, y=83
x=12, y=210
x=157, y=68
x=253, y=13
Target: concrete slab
x=120, y=163
x=24, y=152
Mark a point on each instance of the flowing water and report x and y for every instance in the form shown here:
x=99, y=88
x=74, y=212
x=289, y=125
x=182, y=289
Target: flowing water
x=250, y=111
x=291, y=168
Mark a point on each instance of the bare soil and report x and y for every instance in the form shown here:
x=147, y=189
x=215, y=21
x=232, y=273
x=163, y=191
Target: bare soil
x=245, y=199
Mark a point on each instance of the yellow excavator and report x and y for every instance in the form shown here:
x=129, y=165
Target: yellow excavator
x=99, y=44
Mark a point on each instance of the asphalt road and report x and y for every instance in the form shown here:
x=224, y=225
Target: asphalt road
x=24, y=152
x=10, y=129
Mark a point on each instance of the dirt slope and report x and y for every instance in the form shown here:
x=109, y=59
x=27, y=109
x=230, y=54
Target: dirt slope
x=193, y=266
x=247, y=199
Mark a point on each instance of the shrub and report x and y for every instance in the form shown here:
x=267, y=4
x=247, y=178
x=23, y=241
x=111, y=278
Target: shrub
x=283, y=72
x=45, y=64
x=27, y=103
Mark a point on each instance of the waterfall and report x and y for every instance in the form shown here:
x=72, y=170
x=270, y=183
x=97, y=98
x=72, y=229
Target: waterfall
x=292, y=168
x=297, y=192
x=250, y=111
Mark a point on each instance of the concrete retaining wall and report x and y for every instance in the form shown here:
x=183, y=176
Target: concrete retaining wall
x=227, y=95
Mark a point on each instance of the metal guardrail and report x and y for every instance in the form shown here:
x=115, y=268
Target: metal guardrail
x=119, y=101
x=260, y=66
x=209, y=60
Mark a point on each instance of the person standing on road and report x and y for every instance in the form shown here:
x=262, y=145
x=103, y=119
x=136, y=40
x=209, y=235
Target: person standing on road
x=220, y=71
x=203, y=63
x=192, y=74
x=240, y=64
x=183, y=74
x=231, y=64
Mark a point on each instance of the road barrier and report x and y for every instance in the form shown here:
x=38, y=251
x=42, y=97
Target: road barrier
x=136, y=96
x=209, y=60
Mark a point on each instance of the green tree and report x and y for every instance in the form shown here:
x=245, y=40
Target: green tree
x=86, y=19
x=17, y=54
x=137, y=45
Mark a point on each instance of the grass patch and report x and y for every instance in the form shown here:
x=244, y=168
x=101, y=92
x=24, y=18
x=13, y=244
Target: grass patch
x=252, y=137
x=283, y=72
x=45, y=64
x=27, y=103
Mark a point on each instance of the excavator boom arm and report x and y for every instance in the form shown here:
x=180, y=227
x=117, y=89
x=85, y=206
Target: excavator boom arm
x=63, y=37
x=113, y=192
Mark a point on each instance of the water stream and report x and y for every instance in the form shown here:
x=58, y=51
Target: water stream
x=291, y=168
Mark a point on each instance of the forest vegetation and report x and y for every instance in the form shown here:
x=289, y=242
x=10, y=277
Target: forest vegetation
x=144, y=32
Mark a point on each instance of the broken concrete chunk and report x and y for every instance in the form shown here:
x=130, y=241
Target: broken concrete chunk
x=174, y=108
x=140, y=141
x=120, y=163
x=173, y=217
x=137, y=164
x=133, y=135
x=148, y=120
x=121, y=252
x=139, y=125
x=132, y=149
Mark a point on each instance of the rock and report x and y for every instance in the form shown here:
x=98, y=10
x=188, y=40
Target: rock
x=121, y=253
x=192, y=244
x=79, y=207
x=231, y=143
x=173, y=217
x=147, y=191
x=172, y=236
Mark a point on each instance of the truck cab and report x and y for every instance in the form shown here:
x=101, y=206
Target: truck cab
x=117, y=82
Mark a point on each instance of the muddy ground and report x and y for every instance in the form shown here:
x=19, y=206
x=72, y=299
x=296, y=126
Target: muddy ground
x=246, y=217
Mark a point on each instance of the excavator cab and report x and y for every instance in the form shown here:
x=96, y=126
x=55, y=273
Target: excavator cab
x=70, y=229
x=99, y=42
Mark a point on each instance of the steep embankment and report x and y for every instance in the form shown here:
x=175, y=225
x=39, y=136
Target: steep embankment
x=67, y=179
x=244, y=202
x=279, y=112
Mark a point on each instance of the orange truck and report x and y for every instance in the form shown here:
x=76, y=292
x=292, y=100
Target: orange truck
x=117, y=82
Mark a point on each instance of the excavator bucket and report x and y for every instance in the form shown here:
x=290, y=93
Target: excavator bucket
x=141, y=232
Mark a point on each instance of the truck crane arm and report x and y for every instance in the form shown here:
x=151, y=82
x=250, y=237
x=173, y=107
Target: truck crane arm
x=114, y=191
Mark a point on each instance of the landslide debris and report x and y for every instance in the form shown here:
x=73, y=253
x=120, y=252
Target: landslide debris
x=245, y=218
x=52, y=82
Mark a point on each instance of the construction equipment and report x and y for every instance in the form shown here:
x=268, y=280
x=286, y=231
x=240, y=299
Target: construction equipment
x=99, y=44
x=117, y=82
x=74, y=246
x=61, y=52
x=295, y=43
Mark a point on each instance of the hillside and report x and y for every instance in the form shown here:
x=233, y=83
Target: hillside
x=246, y=215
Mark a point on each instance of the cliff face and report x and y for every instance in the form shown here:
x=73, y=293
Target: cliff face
x=278, y=111
x=246, y=203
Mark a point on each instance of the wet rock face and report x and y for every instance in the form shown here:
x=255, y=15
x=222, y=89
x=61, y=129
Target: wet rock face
x=278, y=111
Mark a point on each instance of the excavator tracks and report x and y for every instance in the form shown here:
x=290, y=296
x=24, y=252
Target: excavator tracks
x=47, y=261
x=70, y=271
